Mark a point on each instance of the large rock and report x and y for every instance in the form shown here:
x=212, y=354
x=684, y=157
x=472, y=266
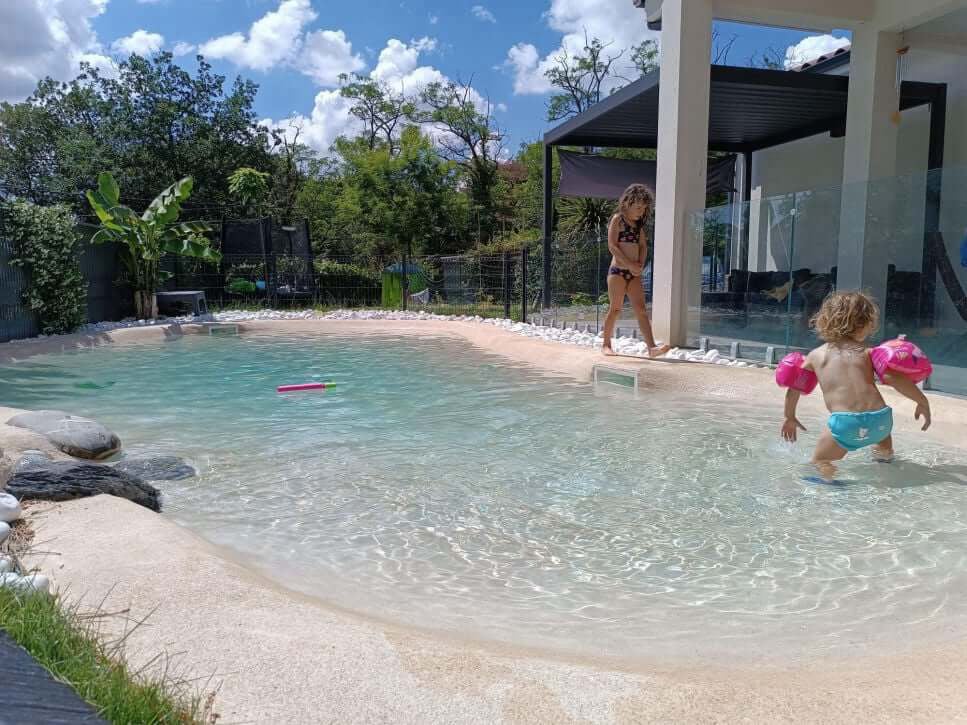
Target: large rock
x=66, y=480
x=157, y=468
x=31, y=459
x=78, y=437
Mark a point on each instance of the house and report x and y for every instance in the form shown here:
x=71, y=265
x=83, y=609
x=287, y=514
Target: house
x=851, y=171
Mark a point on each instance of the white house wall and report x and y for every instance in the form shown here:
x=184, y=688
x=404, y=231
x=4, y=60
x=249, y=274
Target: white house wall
x=815, y=165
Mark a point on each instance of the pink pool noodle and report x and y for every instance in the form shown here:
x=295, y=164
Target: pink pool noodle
x=790, y=374
x=901, y=356
x=302, y=386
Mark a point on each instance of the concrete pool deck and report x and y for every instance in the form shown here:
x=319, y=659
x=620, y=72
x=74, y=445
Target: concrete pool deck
x=279, y=656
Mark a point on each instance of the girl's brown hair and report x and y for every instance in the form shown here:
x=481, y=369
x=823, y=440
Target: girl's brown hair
x=636, y=194
x=843, y=314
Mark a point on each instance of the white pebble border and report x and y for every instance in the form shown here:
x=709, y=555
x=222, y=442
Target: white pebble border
x=10, y=511
x=571, y=336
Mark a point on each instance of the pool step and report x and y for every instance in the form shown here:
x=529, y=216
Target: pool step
x=222, y=328
x=602, y=373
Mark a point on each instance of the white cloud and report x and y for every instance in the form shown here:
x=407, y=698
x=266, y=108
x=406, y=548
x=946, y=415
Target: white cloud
x=327, y=54
x=183, y=48
x=619, y=24
x=483, y=14
x=329, y=119
x=273, y=39
x=398, y=65
x=40, y=38
x=279, y=38
x=528, y=68
x=140, y=41
x=502, y=107
x=434, y=19
x=812, y=47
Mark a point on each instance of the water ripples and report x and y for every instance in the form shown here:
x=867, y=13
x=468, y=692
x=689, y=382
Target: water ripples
x=443, y=488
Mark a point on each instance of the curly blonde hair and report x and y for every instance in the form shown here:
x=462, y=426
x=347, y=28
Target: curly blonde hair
x=636, y=194
x=843, y=314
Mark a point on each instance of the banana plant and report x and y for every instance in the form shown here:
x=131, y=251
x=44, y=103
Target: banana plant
x=143, y=240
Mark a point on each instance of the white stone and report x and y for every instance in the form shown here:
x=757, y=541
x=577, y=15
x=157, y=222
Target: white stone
x=29, y=583
x=4, y=531
x=6, y=564
x=9, y=508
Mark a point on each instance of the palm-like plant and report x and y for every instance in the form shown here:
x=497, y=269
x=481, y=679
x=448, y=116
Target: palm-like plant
x=143, y=240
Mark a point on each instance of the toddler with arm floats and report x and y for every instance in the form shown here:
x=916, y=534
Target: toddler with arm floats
x=846, y=371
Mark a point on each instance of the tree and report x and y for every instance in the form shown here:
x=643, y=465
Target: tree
x=149, y=122
x=389, y=203
x=771, y=58
x=289, y=161
x=583, y=79
x=469, y=136
x=645, y=57
x=143, y=240
x=381, y=109
x=250, y=187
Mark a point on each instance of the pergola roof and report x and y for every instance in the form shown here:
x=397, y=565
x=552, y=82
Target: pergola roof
x=750, y=109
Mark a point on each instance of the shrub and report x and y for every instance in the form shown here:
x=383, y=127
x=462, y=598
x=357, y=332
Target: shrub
x=45, y=244
x=242, y=287
x=341, y=283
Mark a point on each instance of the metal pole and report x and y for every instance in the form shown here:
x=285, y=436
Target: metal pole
x=792, y=251
x=523, y=284
x=743, y=261
x=934, y=183
x=548, y=223
x=506, y=285
x=404, y=282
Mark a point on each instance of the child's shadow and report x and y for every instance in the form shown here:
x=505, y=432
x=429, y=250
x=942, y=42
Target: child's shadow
x=910, y=474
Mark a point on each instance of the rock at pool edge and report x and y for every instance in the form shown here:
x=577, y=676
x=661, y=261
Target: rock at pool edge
x=67, y=480
x=76, y=436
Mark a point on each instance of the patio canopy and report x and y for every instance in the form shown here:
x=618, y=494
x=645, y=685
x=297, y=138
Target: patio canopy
x=750, y=109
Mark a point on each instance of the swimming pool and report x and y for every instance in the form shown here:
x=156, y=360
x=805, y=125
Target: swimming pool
x=440, y=487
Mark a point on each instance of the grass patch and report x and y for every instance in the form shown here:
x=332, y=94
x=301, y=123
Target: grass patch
x=68, y=644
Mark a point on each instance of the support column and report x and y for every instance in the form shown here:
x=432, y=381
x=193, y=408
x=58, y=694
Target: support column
x=683, y=103
x=548, y=222
x=870, y=154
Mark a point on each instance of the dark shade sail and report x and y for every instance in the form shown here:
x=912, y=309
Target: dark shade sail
x=606, y=178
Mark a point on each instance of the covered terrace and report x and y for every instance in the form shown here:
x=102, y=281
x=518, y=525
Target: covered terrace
x=748, y=110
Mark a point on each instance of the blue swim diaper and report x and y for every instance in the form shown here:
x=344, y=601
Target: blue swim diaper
x=853, y=431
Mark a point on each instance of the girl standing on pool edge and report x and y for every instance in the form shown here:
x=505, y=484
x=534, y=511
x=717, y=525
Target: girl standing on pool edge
x=628, y=244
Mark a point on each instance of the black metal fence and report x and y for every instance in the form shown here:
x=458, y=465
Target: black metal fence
x=268, y=266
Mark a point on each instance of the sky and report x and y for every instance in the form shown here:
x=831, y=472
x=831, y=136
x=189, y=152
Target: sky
x=296, y=49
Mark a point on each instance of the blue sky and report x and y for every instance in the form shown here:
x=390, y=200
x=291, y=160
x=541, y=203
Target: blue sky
x=294, y=49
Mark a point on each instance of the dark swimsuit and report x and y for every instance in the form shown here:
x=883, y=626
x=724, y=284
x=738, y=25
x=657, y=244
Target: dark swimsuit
x=628, y=234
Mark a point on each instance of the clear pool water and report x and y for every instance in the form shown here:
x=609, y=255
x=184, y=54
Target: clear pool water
x=440, y=487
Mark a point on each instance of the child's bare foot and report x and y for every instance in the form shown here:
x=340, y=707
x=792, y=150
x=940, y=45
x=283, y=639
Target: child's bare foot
x=826, y=469
x=608, y=351
x=881, y=455
x=658, y=350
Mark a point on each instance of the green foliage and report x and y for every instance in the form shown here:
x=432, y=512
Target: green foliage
x=470, y=138
x=45, y=242
x=389, y=203
x=143, y=240
x=65, y=642
x=148, y=123
x=581, y=299
x=382, y=110
x=250, y=186
x=341, y=283
x=239, y=286
x=646, y=56
x=584, y=216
